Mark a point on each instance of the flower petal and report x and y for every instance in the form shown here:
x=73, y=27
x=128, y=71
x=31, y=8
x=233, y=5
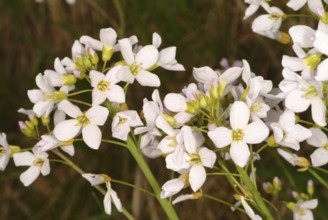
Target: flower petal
x=318, y=110
x=126, y=50
x=220, y=136
x=116, y=200
x=318, y=138
x=319, y=157
x=239, y=115
x=108, y=36
x=197, y=177
x=92, y=136
x=147, y=56
x=30, y=175
x=207, y=157
x=116, y=94
x=70, y=109
x=97, y=115
x=296, y=102
x=23, y=159
x=67, y=130
x=256, y=132
x=239, y=153
x=146, y=78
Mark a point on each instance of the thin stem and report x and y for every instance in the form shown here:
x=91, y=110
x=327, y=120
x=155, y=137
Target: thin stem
x=167, y=207
x=120, y=11
x=133, y=186
x=255, y=193
x=71, y=164
x=80, y=92
x=222, y=174
x=114, y=142
x=223, y=202
x=79, y=101
x=319, y=178
x=321, y=169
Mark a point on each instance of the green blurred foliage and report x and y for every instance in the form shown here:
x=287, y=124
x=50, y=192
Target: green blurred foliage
x=33, y=34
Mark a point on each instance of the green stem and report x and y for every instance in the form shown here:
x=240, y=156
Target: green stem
x=79, y=101
x=321, y=169
x=120, y=11
x=315, y=175
x=223, y=202
x=255, y=193
x=133, y=186
x=80, y=92
x=221, y=174
x=167, y=207
x=71, y=164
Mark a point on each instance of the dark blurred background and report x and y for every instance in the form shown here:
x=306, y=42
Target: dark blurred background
x=33, y=34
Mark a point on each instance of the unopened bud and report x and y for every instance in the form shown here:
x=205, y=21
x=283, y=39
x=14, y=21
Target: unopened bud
x=107, y=53
x=45, y=120
x=313, y=60
x=14, y=149
x=169, y=119
x=291, y=206
x=310, y=188
x=68, y=79
x=271, y=141
x=303, y=163
x=284, y=38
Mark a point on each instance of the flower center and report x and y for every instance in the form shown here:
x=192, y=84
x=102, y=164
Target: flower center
x=56, y=96
x=256, y=107
x=135, y=68
x=38, y=162
x=310, y=92
x=103, y=86
x=274, y=16
x=194, y=159
x=121, y=120
x=83, y=120
x=238, y=135
x=324, y=147
x=2, y=151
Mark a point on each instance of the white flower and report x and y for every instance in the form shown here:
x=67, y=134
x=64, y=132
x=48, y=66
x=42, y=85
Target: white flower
x=241, y=133
x=49, y=142
x=194, y=158
x=122, y=123
x=104, y=86
x=314, y=5
x=192, y=196
x=269, y=24
x=38, y=162
x=4, y=151
x=318, y=139
x=45, y=98
x=254, y=5
x=174, y=186
x=107, y=40
x=287, y=133
x=308, y=93
x=302, y=210
x=249, y=210
x=137, y=64
x=166, y=57
x=110, y=196
x=88, y=122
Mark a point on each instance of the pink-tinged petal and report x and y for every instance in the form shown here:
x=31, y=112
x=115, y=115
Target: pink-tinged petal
x=116, y=200
x=318, y=110
x=107, y=203
x=147, y=56
x=303, y=35
x=70, y=109
x=189, y=140
x=97, y=115
x=239, y=115
x=35, y=95
x=23, y=159
x=239, y=153
x=116, y=94
x=30, y=175
x=126, y=50
x=278, y=133
x=67, y=130
x=315, y=5
x=108, y=36
x=256, y=132
x=175, y=102
x=207, y=157
x=197, y=177
x=146, y=78
x=98, y=97
x=296, y=102
x=92, y=136
x=322, y=70
x=319, y=157
x=96, y=77
x=220, y=136
x=167, y=55
x=318, y=138
x=94, y=44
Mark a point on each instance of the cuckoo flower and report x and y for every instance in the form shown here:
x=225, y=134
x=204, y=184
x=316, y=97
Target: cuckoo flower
x=318, y=139
x=87, y=121
x=240, y=135
x=4, y=151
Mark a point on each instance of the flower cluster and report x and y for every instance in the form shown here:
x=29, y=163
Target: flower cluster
x=218, y=125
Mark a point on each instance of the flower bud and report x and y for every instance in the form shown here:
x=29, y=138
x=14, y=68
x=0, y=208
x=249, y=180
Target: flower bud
x=303, y=163
x=271, y=141
x=310, y=188
x=28, y=132
x=107, y=53
x=169, y=119
x=14, y=149
x=68, y=79
x=291, y=206
x=313, y=60
x=284, y=38
x=45, y=120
